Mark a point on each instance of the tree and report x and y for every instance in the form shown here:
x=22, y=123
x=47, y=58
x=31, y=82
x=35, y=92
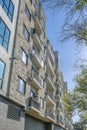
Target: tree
x=78, y=126
x=81, y=92
x=75, y=25
x=77, y=100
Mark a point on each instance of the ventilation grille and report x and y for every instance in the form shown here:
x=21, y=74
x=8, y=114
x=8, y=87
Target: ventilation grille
x=13, y=113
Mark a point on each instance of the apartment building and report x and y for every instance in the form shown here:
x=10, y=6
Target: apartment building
x=31, y=83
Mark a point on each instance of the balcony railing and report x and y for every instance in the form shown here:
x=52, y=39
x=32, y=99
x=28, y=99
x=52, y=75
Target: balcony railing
x=59, y=120
x=50, y=82
x=50, y=114
x=59, y=106
x=36, y=38
x=48, y=75
x=35, y=75
x=58, y=82
x=50, y=68
x=58, y=94
x=50, y=51
x=50, y=95
x=35, y=57
x=33, y=103
x=37, y=21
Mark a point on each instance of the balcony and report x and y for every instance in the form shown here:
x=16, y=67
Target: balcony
x=57, y=71
x=50, y=116
x=58, y=83
x=50, y=100
x=59, y=107
x=36, y=59
x=50, y=49
x=60, y=122
x=37, y=23
x=50, y=82
x=35, y=81
x=49, y=67
x=33, y=106
x=36, y=39
x=58, y=94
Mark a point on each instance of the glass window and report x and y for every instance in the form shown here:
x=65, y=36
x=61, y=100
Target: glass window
x=6, y=2
x=11, y=8
x=26, y=33
x=42, y=81
x=1, y=2
x=27, y=12
x=32, y=94
x=2, y=28
x=8, y=7
x=42, y=63
x=4, y=35
x=24, y=56
x=2, y=68
x=21, y=86
x=41, y=103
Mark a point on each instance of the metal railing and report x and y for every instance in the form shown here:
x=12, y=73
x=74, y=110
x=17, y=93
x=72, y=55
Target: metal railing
x=34, y=31
x=33, y=103
x=36, y=52
x=36, y=76
x=50, y=95
x=50, y=114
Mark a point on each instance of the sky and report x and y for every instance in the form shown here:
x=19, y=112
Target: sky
x=68, y=51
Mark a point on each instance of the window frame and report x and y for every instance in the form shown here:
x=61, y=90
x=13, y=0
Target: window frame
x=24, y=33
x=33, y=93
x=41, y=103
x=28, y=14
x=1, y=79
x=24, y=90
x=4, y=35
x=42, y=81
x=26, y=56
x=7, y=8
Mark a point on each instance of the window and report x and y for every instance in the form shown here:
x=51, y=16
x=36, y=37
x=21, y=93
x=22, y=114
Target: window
x=2, y=68
x=21, y=86
x=41, y=103
x=27, y=12
x=4, y=35
x=26, y=33
x=8, y=7
x=42, y=81
x=24, y=56
x=43, y=63
x=32, y=93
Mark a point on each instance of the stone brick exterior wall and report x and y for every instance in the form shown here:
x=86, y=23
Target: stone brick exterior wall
x=7, y=123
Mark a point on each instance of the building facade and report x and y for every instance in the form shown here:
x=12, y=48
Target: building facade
x=31, y=83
